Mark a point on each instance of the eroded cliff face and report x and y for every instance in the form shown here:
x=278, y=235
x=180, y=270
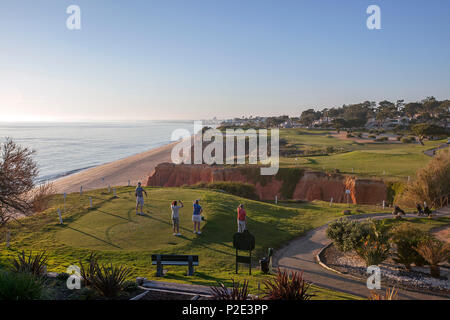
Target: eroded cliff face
x=310, y=186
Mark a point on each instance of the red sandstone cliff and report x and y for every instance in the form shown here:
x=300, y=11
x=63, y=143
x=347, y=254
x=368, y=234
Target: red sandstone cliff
x=311, y=186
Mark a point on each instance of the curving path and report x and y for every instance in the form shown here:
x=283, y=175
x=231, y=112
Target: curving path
x=430, y=152
x=300, y=255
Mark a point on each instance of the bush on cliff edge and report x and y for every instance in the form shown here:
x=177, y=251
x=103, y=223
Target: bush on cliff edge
x=240, y=189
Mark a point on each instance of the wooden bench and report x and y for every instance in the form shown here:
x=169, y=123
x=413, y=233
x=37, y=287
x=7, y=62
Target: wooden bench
x=161, y=260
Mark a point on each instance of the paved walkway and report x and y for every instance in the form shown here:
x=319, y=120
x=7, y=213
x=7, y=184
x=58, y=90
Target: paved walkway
x=430, y=152
x=300, y=255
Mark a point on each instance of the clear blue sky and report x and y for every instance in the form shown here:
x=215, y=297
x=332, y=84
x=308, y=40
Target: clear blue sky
x=198, y=59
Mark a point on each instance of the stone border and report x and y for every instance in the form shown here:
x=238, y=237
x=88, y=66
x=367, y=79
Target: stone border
x=323, y=265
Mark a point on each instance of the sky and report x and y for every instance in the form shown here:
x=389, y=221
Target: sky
x=198, y=59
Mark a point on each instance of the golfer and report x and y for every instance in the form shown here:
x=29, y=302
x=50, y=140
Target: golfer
x=196, y=217
x=241, y=218
x=139, y=193
x=176, y=217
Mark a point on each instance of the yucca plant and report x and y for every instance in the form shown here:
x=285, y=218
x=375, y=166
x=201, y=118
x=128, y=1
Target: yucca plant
x=31, y=263
x=235, y=293
x=109, y=280
x=391, y=294
x=287, y=287
x=434, y=252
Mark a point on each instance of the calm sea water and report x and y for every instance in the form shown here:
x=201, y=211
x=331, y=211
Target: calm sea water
x=66, y=148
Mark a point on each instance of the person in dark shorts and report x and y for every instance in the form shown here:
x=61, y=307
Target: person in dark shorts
x=139, y=193
x=241, y=218
x=176, y=217
x=419, y=209
x=427, y=211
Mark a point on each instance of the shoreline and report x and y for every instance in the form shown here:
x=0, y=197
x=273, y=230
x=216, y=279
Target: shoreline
x=117, y=172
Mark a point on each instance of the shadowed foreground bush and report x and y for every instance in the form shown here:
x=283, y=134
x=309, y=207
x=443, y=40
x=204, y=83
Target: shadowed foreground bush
x=34, y=264
x=19, y=286
x=107, y=280
x=235, y=293
x=287, y=287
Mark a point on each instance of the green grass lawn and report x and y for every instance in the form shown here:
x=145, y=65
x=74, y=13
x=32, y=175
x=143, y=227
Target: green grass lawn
x=387, y=160
x=113, y=230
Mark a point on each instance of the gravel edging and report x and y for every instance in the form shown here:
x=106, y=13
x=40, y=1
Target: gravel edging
x=397, y=285
x=323, y=265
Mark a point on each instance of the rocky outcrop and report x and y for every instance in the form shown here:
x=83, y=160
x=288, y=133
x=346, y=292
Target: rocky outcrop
x=311, y=185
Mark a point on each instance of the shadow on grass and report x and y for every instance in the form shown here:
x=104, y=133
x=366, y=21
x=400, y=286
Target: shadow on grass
x=94, y=237
x=117, y=216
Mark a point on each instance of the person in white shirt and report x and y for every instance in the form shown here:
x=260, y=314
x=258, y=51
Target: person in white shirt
x=176, y=217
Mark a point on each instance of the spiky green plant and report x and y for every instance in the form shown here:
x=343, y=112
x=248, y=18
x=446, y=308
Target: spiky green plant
x=235, y=293
x=434, y=252
x=30, y=263
x=287, y=287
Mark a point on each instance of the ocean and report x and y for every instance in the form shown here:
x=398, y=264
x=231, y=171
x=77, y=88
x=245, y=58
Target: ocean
x=66, y=148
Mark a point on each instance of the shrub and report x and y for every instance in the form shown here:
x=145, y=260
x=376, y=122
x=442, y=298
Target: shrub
x=431, y=183
x=381, y=139
x=287, y=287
x=88, y=271
x=34, y=264
x=245, y=190
x=405, y=238
x=394, y=190
x=330, y=149
x=235, y=293
x=371, y=136
x=349, y=135
x=290, y=178
x=347, y=234
x=374, y=247
x=391, y=294
x=109, y=281
x=359, y=135
x=406, y=140
x=434, y=252
x=42, y=196
x=19, y=286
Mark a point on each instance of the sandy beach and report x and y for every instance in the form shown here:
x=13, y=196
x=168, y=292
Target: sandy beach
x=117, y=173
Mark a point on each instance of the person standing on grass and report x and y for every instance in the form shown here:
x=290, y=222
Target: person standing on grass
x=139, y=193
x=196, y=217
x=176, y=217
x=241, y=218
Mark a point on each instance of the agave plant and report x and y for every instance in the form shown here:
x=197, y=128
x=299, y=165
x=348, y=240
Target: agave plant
x=235, y=293
x=391, y=294
x=434, y=252
x=287, y=287
x=34, y=264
